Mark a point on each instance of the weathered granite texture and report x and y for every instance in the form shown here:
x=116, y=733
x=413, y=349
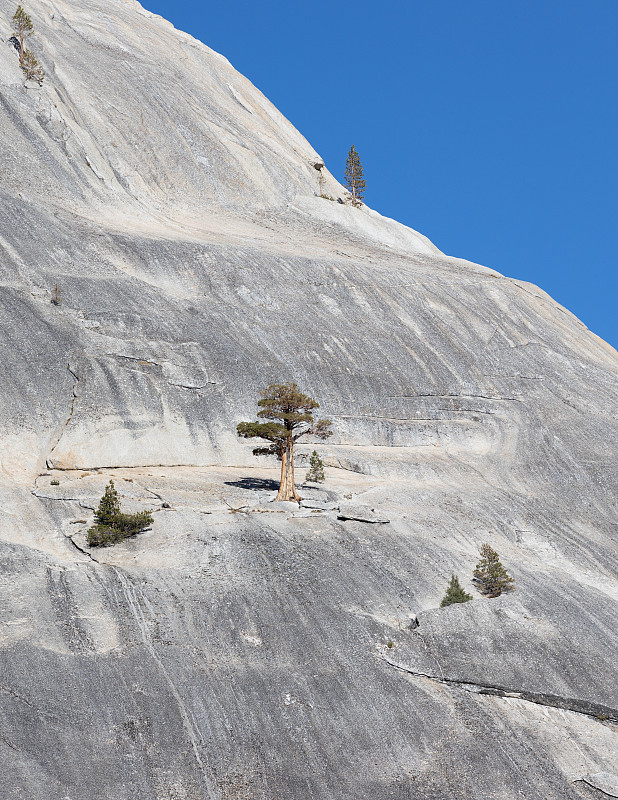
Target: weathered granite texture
x=241, y=649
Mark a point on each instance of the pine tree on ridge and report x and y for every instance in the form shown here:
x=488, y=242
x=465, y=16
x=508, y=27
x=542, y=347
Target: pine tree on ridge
x=354, y=178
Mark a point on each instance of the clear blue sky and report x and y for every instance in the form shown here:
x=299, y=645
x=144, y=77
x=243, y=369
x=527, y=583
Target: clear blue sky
x=490, y=126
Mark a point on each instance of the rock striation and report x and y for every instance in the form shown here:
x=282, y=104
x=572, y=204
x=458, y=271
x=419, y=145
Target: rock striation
x=243, y=649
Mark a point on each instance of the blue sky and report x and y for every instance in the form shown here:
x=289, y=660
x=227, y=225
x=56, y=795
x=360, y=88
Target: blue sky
x=489, y=126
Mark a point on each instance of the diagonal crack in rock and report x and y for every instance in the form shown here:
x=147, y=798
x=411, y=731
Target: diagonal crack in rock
x=49, y=460
x=585, y=707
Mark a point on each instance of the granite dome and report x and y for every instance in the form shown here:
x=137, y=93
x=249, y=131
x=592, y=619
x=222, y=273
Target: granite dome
x=242, y=649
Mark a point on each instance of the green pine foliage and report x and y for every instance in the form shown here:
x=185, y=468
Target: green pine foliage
x=111, y=525
x=354, y=178
x=289, y=415
x=316, y=469
x=490, y=576
x=22, y=24
x=23, y=28
x=109, y=506
x=31, y=67
x=454, y=593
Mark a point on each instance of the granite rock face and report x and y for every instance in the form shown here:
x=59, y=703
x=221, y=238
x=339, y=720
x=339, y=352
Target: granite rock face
x=243, y=649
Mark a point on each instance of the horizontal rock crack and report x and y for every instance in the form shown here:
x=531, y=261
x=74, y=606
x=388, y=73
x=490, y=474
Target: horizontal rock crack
x=454, y=396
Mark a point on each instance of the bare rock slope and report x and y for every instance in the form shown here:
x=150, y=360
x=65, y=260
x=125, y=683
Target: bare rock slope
x=242, y=649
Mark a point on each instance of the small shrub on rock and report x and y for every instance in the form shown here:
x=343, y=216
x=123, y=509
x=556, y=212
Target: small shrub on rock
x=316, y=469
x=454, y=593
x=31, y=67
x=490, y=577
x=111, y=525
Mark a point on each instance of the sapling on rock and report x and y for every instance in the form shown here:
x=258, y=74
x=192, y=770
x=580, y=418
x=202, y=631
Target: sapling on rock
x=22, y=24
x=23, y=28
x=31, y=67
x=111, y=524
x=455, y=593
x=490, y=576
x=316, y=469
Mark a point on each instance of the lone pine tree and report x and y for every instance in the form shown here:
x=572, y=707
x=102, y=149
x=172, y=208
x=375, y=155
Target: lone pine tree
x=289, y=415
x=23, y=27
x=316, y=469
x=490, y=576
x=354, y=177
x=454, y=593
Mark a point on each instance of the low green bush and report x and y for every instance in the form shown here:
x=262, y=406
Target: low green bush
x=111, y=525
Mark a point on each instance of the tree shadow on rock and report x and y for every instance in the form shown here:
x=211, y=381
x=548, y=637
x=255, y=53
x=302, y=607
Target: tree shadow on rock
x=255, y=484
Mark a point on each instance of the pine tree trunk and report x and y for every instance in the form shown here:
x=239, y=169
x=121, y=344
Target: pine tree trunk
x=21, y=49
x=287, y=489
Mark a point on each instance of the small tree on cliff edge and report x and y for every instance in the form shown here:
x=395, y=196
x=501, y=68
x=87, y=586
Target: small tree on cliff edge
x=23, y=27
x=354, y=178
x=289, y=415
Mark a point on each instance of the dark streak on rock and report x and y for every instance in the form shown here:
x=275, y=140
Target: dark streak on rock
x=594, y=710
x=49, y=461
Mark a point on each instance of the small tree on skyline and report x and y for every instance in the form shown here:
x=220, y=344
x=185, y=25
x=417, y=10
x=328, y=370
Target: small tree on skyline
x=23, y=27
x=354, y=178
x=290, y=415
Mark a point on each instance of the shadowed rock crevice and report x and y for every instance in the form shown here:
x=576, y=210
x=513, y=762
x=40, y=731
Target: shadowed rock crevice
x=597, y=711
x=604, y=783
x=255, y=484
x=74, y=395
